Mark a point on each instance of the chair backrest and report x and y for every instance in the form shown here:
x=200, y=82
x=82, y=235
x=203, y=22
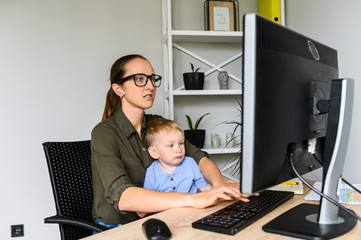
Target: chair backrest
x=69, y=166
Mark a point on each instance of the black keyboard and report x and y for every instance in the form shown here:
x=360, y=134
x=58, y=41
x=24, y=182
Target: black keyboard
x=233, y=218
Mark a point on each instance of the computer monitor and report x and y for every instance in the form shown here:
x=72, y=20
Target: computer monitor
x=293, y=104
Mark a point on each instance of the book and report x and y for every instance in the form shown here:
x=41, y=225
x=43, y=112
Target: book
x=348, y=195
x=293, y=185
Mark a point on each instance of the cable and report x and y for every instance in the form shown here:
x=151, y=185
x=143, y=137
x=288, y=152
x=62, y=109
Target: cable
x=344, y=180
x=318, y=192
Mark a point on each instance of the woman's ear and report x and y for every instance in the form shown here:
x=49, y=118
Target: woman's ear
x=117, y=89
x=153, y=152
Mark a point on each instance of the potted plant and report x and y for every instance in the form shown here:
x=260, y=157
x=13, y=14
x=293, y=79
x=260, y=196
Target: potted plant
x=235, y=159
x=194, y=135
x=193, y=80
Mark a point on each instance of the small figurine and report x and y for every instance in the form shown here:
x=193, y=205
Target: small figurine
x=223, y=80
x=215, y=140
x=230, y=141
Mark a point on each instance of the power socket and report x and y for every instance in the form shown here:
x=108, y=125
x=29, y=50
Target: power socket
x=17, y=230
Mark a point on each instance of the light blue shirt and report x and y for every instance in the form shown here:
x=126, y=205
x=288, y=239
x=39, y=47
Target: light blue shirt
x=185, y=178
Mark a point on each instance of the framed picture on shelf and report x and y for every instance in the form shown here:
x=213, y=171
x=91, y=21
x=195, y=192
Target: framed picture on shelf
x=221, y=15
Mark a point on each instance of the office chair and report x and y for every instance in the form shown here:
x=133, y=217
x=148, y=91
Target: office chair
x=69, y=165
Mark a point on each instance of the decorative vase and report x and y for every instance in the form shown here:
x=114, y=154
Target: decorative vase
x=196, y=137
x=215, y=141
x=193, y=80
x=229, y=140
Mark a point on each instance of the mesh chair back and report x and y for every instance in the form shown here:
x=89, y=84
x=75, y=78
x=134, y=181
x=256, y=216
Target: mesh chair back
x=69, y=166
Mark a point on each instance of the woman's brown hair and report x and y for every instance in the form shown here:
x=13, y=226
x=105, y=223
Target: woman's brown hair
x=117, y=71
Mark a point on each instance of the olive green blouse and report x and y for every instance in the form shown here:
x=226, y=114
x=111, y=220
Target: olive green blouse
x=119, y=160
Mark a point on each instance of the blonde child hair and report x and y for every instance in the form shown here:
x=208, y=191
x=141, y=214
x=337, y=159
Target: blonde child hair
x=158, y=126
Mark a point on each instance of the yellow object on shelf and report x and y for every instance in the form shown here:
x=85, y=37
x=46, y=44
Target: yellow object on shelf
x=270, y=9
x=293, y=185
x=289, y=183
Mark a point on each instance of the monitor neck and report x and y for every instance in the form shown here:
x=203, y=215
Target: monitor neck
x=338, y=130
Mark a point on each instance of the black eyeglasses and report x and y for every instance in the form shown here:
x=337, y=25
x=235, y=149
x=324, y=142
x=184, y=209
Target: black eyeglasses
x=141, y=80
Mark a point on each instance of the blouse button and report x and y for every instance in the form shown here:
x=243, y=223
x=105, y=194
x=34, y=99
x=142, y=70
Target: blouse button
x=171, y=179
x=173, y=188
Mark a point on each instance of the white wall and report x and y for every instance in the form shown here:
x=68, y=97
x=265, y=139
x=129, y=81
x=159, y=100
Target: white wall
x=336, y=23
x=55, y=58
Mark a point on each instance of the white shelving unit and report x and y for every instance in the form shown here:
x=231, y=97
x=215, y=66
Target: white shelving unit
x=205, y=36
x=177, y=99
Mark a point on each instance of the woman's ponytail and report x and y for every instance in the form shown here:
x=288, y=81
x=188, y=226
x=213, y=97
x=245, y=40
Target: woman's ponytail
x=113, y=101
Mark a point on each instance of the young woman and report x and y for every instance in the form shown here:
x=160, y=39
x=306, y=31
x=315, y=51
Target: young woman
x=120, y=157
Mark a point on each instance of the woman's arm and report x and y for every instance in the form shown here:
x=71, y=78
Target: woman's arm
x=142, y=200
x=138, y=199
x=208, y=187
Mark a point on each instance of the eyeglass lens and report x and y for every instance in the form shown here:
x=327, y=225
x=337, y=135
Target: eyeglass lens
x=141, y=80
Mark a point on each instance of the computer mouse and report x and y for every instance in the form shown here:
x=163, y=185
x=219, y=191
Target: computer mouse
x=156, y=229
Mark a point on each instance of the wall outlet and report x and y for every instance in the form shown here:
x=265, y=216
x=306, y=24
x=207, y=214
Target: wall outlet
x=17, y=230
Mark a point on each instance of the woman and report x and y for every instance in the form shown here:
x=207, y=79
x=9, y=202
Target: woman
x=120, y=156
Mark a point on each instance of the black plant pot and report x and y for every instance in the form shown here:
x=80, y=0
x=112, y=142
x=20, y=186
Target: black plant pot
x=193, y=80
x=196, y=137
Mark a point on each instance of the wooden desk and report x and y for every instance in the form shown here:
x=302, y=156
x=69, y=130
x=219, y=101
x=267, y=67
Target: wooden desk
x=179, y=220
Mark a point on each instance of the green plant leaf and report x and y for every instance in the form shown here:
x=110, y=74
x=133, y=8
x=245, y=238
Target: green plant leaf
x=237, y=157
x=189, y=122
x=238, y=124
x=240, y=106
x=199, y=120
x=192, y=67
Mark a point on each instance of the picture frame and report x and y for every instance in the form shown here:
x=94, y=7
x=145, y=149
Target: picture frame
x=221, y=15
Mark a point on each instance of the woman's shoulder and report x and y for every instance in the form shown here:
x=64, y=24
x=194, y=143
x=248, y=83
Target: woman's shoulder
x=104, y=127
x=111, y=122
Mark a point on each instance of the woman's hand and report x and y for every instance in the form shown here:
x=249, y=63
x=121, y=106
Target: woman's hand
x=228, y=191
x=233, y=189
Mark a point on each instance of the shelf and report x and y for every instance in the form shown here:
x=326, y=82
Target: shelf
x=206, y=36
x=221, y=150
x=214, y=50
x=207, y=92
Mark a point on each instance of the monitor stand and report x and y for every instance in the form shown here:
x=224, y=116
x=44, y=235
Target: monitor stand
x=324, y=221
x=301, y=222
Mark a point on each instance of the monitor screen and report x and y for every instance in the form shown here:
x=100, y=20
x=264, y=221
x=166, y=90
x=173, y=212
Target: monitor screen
x=294, y=108
x=283, y=73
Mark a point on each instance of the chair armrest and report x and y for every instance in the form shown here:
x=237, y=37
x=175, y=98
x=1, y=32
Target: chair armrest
x=76, y=222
